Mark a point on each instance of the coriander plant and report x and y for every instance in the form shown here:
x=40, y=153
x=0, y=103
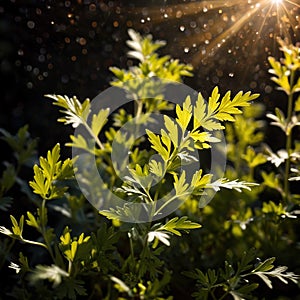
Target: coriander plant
x=76, y=243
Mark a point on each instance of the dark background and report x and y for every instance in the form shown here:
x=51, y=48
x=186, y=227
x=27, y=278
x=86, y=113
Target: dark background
x=66, y=47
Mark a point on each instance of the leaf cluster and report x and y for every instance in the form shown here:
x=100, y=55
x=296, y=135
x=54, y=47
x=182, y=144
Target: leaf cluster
x=79, y=252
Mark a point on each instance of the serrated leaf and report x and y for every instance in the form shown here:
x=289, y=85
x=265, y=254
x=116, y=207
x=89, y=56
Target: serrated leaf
x=81, y=143
x=213, y=100
x=32, y=220
x=99, y=120
x=172, y=130
x=70, y=288
x=176, y=224
x=49, y=171
x=229, y=107
x=199, y=181
x=76, y=113
x=184, y=115
x=265, y=265
x=254, y=159
x=38, y=184
x=233, y=184
x=156, y=168
x=8, y=178
x=157, y=145
x=180, y=185
x=17, y=228
x=117, y=72
x=204, y=114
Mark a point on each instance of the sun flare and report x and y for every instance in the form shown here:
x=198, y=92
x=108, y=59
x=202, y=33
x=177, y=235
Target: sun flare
x=220, y=37
x=255, y=19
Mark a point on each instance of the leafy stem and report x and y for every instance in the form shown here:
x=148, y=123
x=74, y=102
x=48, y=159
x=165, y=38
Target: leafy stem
x=44, y=229
x=36, y=244
x=139, y=108
x=288, y=139
x=88, y=128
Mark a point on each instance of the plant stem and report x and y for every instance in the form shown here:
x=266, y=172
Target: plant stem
x=43, y=229
x=34, y=243
x=88, y=128
x=172, y=199
x=131, y=247
x=213, y=295
x=139, y=108
x=223, y=297
x=288, y=141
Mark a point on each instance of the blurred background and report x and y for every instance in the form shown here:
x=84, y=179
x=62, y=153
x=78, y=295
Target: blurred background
x=66, y=47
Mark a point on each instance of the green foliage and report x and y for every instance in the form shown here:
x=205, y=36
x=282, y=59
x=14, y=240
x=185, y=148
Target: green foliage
x=23, y=149
x=285, y=76
x=51, y=170
x=73, y=251
x=236, y=278
x=266, y=217
x=176, y=224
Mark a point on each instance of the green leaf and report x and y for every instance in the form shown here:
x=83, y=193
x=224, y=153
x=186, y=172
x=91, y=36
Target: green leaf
x=203, y=116
x=38, y=184
x=105, y=238
x=297, y=104
x=80, y=142
x=180, y=185
x=157, y=145
x=176, y=224
x=184, y=115
x=172, y=130
x=117, y=72
x=70, y=288
x=76, y=248
x=32, y=220
x=266, y=265
x=50, y=170
x=199, y=181
x=202, y=139
x=76, y=113
x=23, y=260
x=229, y=107
x=156, y=168
x=17, y=228
x=254, y=159
x=213, y=103
x=23, y=146
x=8, y=178
x=99, y=121
x=276, y=67
x=245, y=290
x=271, y=180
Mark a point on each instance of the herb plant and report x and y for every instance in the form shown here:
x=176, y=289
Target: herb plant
x=74, y=249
